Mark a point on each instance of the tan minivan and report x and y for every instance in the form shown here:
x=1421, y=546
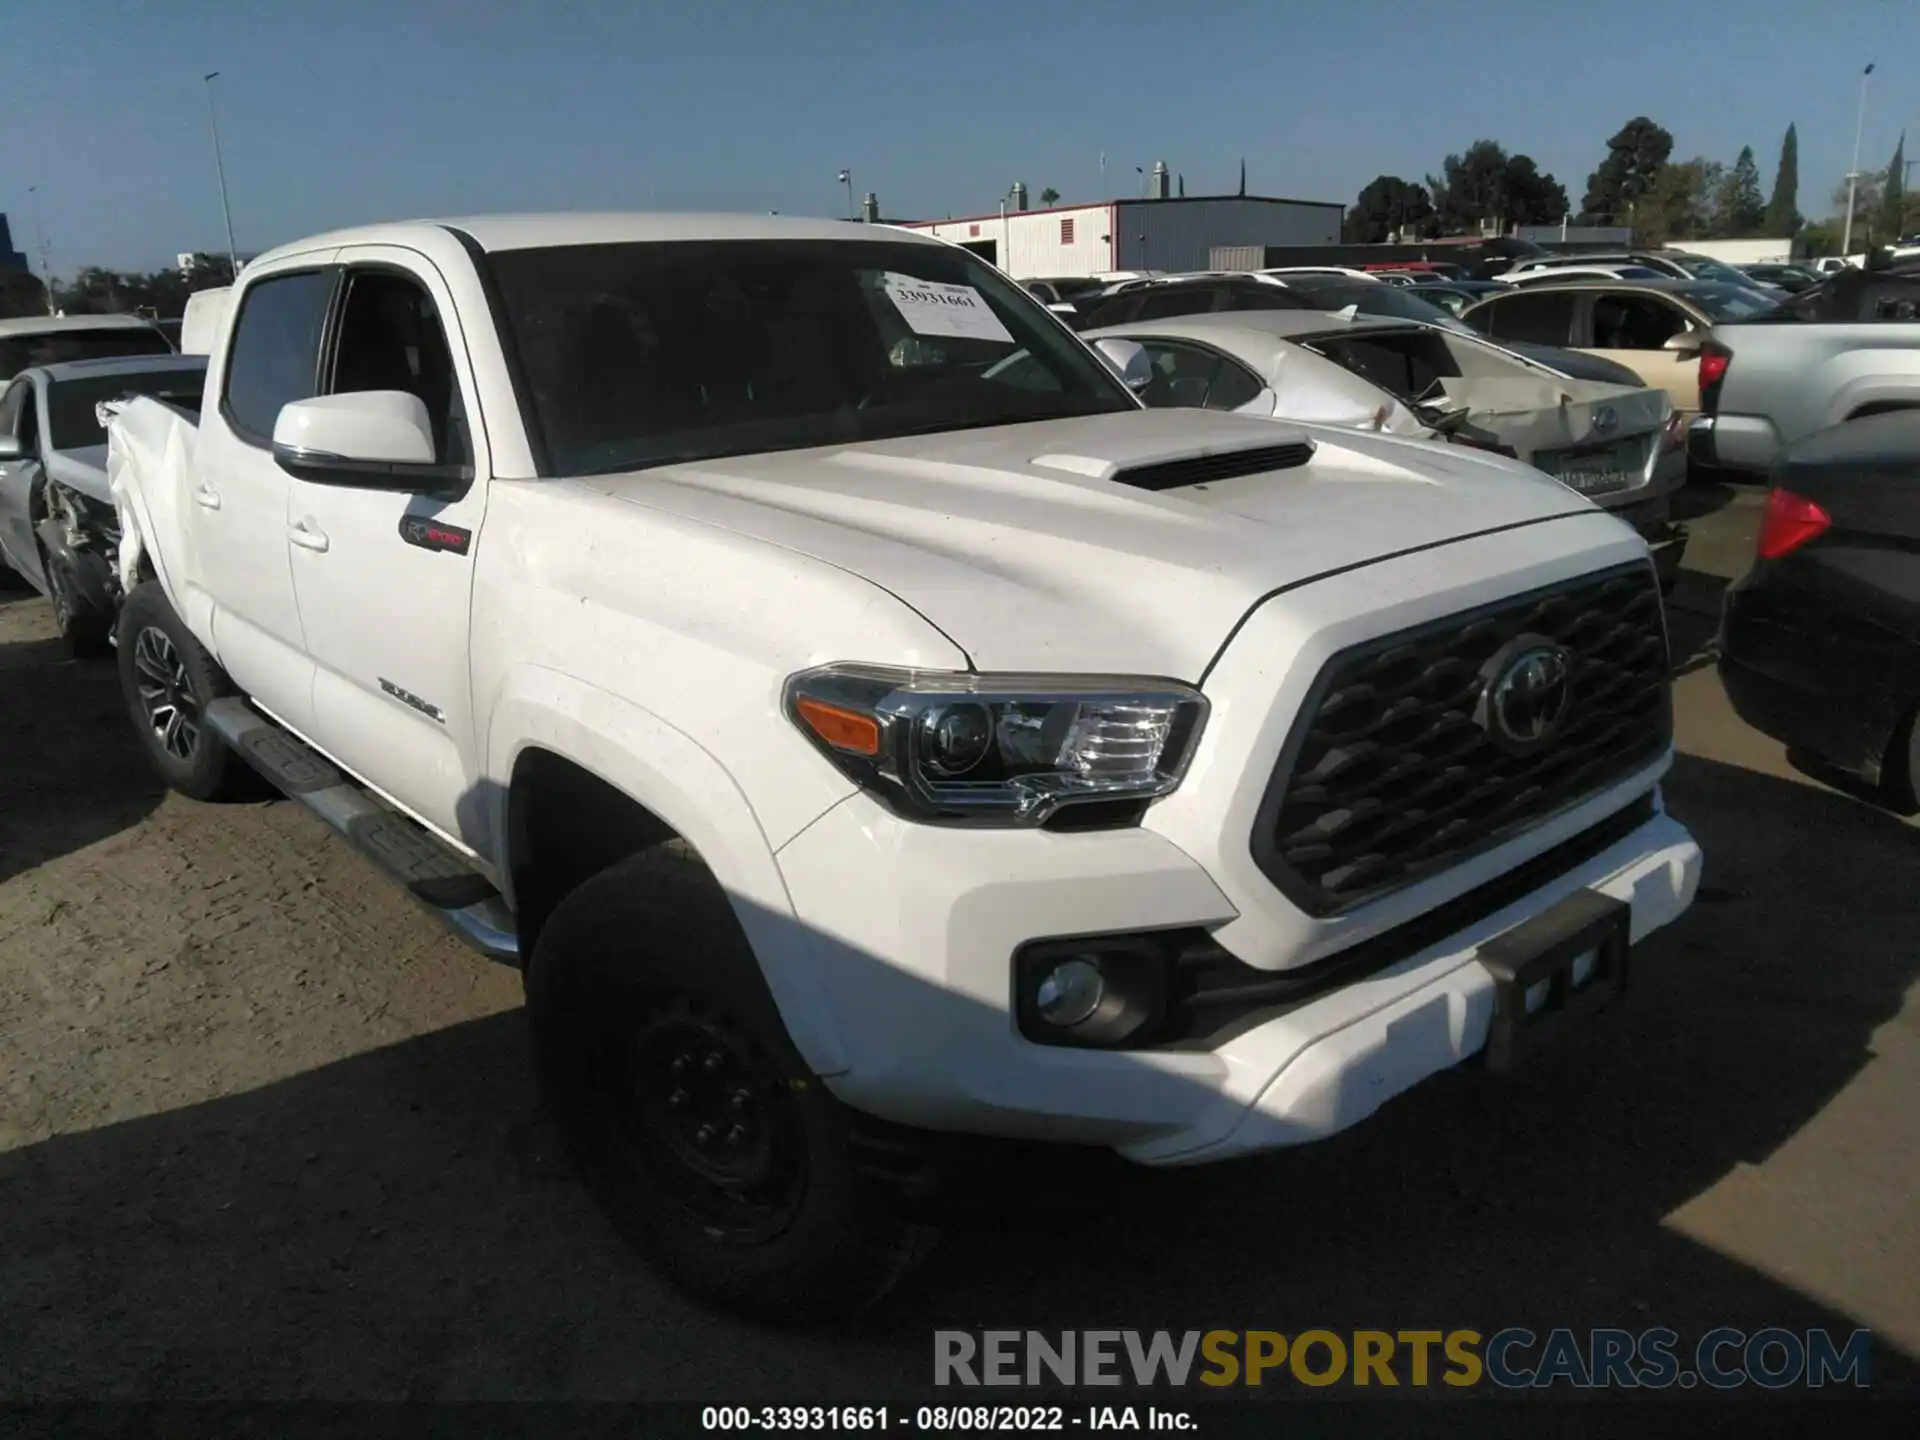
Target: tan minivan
x=1653, y=327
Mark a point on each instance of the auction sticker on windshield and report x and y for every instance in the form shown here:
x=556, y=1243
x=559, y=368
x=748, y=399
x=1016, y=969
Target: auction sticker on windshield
x=932, y=308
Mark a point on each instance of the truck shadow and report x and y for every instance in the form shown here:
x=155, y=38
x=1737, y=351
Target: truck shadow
x=71, y=772
x=401, y=1225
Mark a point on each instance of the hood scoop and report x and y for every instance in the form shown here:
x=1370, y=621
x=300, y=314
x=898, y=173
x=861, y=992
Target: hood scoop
x=1225, y=465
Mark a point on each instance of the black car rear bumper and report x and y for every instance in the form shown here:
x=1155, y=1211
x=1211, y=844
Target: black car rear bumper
x=1790, y=675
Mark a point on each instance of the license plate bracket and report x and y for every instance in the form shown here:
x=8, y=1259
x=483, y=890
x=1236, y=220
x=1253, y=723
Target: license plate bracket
x=1546, y=950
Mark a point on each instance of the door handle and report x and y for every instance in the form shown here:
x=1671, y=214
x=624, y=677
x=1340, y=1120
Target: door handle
x=306, y=537
x=205, y=498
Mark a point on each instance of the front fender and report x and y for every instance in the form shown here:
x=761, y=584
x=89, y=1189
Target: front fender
x=674, y=777
x=149, y=462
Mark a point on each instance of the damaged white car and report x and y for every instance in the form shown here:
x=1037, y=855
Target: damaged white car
x=1621, y=446
x=58, y=525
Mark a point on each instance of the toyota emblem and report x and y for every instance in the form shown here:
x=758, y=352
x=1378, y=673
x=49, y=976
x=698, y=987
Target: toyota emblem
x=1527, y=692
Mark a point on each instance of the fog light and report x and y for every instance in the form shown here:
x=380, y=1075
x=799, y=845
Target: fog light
x=1070, y=992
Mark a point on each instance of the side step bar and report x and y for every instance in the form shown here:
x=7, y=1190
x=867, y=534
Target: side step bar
x=432, y=872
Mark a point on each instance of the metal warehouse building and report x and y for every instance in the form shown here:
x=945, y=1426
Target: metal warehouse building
x=1145, y=234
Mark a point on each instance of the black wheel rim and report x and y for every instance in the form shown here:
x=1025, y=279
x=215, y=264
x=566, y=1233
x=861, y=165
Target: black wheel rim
x=713, y=1125
x=166, y=693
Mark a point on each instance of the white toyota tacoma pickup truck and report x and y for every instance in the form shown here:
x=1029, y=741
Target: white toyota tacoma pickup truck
x=863, y=720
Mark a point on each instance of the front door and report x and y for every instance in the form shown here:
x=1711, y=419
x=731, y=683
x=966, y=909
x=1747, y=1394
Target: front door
x=1631, y=327
x=236, y=509
x=383, y=579
x=20, y=417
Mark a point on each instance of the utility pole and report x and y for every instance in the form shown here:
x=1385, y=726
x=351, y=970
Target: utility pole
x=1853, y=175
x=220, y=170
x=40, y=241
x=846, y=179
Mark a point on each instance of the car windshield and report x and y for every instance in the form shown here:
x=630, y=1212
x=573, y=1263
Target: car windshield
x=70, y=403
x=1370, y=298
x=56, y=347
x=659, y=353
x=1728, y=303
x=1702, y=268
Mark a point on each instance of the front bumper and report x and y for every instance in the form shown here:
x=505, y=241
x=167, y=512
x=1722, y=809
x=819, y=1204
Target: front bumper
x=920, y=974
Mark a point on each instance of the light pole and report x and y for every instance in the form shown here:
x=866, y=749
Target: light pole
x=1853, y=174
x=846, y=179
x=220, y=170
x=40, y=242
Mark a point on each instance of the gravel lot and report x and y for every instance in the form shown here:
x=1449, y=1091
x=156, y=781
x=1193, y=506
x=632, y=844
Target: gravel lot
x=265, y=1131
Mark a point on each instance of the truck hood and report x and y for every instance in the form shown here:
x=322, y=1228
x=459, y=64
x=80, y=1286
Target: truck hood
x=1017, y=543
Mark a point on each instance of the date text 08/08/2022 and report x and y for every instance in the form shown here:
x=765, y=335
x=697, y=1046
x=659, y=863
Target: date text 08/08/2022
x=940, y=1419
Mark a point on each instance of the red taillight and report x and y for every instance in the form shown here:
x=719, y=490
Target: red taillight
x=1713, y=366
x=1790, y=521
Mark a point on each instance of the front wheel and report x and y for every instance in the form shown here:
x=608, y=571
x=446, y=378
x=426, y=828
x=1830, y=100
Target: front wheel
x=168, y=680
x=687, y=1108
x=83, y=625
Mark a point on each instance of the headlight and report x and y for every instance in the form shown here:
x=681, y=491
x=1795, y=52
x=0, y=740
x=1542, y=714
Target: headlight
x=997, y=749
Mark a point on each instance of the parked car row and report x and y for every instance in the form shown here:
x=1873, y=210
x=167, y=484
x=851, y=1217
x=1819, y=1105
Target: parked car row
x=864, y=720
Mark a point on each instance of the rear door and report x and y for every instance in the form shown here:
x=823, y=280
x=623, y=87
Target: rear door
x=384, y=579
x=1631, y=327
x=1537, y=317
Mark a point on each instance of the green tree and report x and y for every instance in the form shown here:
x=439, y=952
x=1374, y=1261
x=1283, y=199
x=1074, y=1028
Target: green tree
x=1680, y=204
x=1893, y=197
x=1049, y=196
x=1739, y=209
x=1634, y=158
x=1388, y=203
x=1783, y=220
x=1533, y=197
x=1866, y=211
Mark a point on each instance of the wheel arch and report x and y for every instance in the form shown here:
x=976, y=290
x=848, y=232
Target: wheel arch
x=588, y=778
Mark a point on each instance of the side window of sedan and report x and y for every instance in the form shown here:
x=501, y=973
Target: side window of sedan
x=1190, y=377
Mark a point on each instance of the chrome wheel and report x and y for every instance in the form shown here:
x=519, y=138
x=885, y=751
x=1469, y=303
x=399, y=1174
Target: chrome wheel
x=166, y=693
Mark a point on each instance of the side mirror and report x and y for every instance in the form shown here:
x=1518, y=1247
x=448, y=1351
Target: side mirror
x=10, y=448
x=1129, y=359
x=1687, y=342
x=368, y=440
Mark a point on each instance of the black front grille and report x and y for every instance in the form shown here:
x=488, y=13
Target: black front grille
x=1388, y=777
x=1224, y=465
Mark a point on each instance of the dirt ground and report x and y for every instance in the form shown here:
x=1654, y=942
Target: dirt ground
x=267, y=1132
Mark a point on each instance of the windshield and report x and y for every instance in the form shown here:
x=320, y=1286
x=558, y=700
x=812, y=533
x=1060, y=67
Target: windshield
x=21, y=352
x=1373, y=298
x=656, y=353
x=70, y=403
x=1726, y=303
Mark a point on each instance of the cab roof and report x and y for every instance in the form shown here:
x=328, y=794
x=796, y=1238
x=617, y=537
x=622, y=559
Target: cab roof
x=496, y=233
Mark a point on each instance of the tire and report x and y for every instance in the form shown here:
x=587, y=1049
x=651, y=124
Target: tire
x=86, y=629
x=158, y=653
x=641, y=978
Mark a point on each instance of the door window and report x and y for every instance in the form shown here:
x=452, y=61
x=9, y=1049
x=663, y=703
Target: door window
x=1537, y=319
x=391, y=338
x=1191, y=377
x=1634, y=322
x=10, y=407
x=275, y=352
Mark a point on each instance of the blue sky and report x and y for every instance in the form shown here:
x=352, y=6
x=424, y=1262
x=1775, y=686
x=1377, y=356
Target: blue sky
x=340, y=111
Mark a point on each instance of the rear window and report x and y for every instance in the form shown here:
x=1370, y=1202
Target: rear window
x=70, y=403
x=21, y=352
x=1729, y=304
x=1407, y=365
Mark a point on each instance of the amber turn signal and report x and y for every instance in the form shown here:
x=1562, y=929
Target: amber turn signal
x=847, y=730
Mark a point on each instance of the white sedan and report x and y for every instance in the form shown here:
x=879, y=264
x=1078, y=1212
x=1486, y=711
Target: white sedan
x=1618, y=445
